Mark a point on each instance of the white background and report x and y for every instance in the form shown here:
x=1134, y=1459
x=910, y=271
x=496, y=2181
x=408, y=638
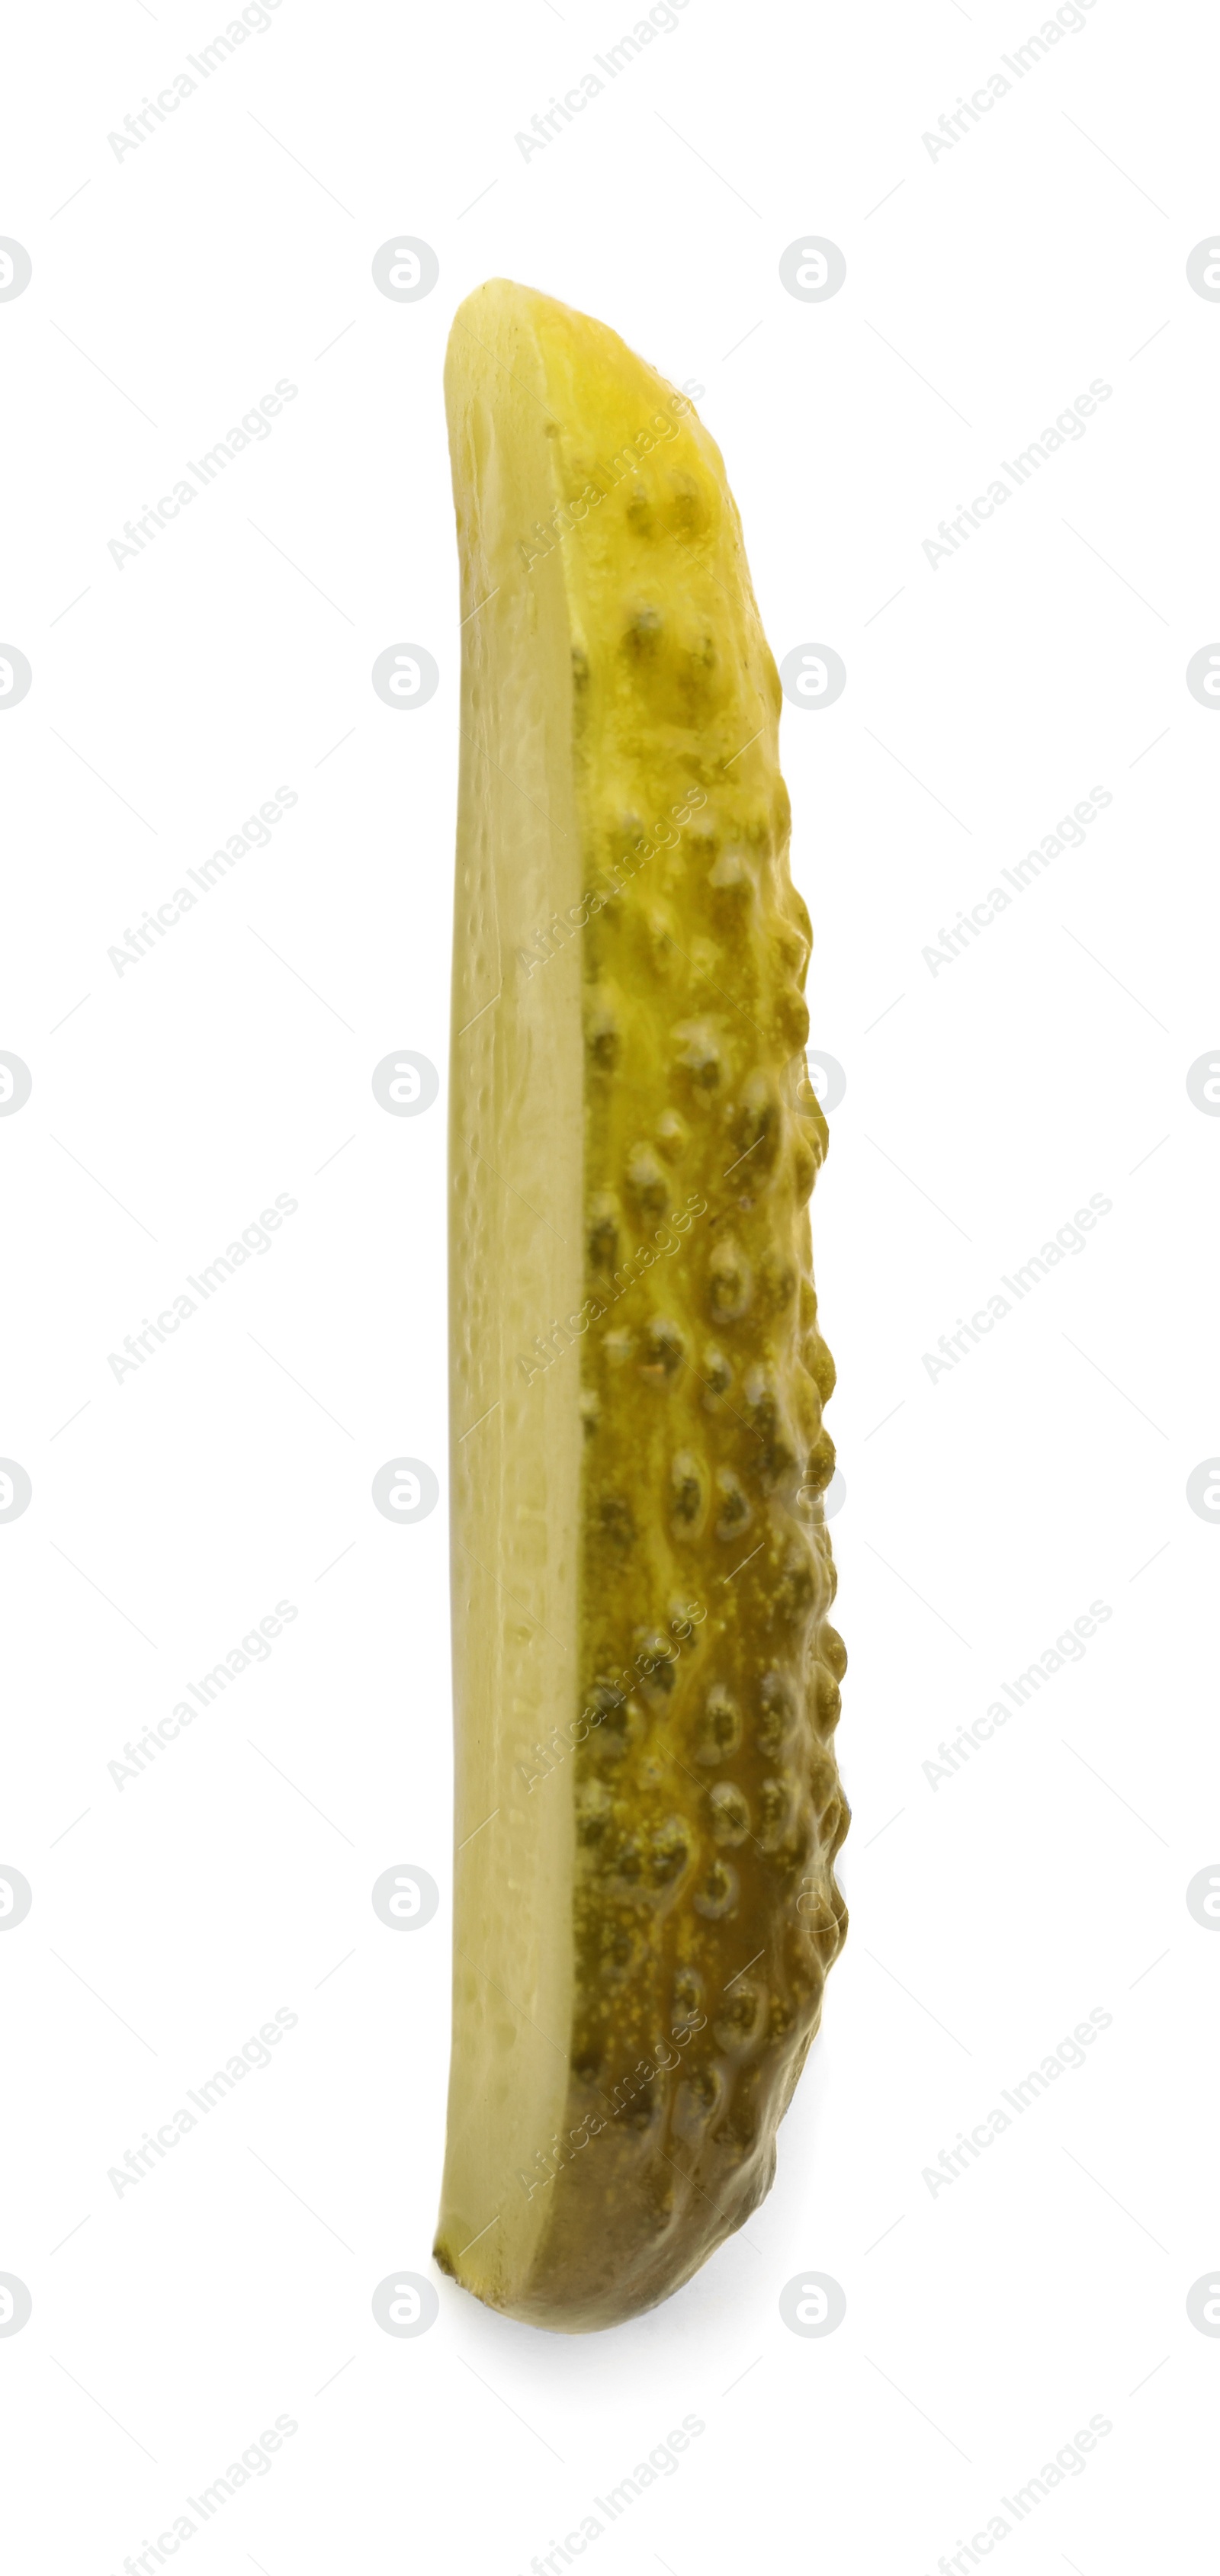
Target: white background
x=986, y=289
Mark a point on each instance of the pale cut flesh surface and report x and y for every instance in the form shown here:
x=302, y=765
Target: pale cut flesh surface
x=645, y=1681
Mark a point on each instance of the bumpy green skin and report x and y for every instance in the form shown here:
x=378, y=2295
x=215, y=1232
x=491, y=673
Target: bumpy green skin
x=707, y=1802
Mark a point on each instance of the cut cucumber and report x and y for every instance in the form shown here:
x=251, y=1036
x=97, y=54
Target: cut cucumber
x=645, y=1683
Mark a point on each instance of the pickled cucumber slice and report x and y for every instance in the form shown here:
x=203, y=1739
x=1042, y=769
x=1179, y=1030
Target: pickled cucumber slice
x=645, y=1681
